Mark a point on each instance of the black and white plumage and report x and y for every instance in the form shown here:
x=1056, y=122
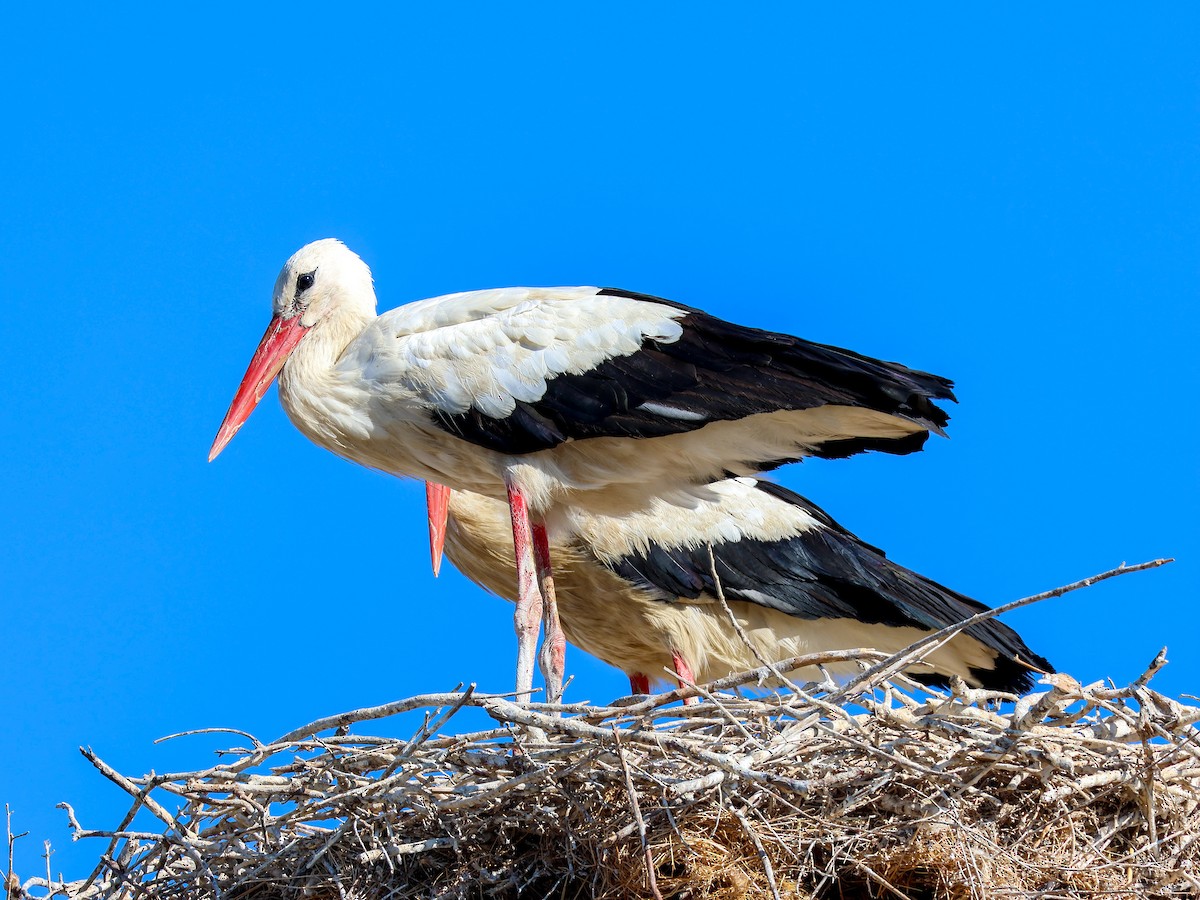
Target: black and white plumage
x=556, y=398
x=690, y=370
x=638, y=592
x=584, y=395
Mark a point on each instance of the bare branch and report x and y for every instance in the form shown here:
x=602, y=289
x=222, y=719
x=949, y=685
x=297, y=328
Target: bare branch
x=1078, y=790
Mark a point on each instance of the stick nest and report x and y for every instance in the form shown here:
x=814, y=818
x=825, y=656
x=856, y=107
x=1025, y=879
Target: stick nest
x=858, y=790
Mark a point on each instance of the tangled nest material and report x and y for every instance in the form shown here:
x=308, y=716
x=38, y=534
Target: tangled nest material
x=854, y=790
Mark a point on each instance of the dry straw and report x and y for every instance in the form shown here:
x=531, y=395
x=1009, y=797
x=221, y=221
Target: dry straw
x=857, y=790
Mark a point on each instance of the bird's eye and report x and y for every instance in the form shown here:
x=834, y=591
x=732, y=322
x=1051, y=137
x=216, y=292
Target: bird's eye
x=305, y=281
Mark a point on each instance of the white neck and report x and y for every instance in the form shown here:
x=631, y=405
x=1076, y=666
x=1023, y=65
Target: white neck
x=320, y=402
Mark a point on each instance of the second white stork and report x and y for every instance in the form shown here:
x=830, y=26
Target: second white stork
x=588, y=397
x=640, y=591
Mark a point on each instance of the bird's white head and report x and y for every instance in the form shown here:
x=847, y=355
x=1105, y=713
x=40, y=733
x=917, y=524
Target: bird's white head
x=320, y=278
x=323, y=282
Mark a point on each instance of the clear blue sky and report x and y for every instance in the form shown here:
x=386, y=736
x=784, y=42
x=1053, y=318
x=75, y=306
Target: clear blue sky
x=1004, y=196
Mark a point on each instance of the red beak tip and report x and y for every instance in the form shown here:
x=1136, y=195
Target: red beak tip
x=220, y=443
x=280, y=339
x=437, y=502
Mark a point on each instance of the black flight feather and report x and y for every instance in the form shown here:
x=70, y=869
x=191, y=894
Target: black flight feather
x=716, y=371
x=828, y=573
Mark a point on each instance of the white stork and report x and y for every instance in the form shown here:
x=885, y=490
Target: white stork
x=638, y=592
x=559, y=397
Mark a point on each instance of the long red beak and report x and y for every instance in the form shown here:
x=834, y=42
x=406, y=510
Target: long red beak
x=281, y=339
x=437, y=500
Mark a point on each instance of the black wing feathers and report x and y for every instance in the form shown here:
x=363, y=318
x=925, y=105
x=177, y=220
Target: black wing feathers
x=827, y=573
x=716, y=371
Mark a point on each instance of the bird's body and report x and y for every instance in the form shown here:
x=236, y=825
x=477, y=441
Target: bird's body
x=637, y=591
x=586, y=398
x=559, y=398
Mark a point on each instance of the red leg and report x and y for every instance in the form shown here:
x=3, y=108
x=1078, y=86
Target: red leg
x=639, y=683
x=554, y=644
x=528, y=616
x=685, y=673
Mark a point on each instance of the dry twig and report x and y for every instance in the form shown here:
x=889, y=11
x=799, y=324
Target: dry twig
x=824, y=791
